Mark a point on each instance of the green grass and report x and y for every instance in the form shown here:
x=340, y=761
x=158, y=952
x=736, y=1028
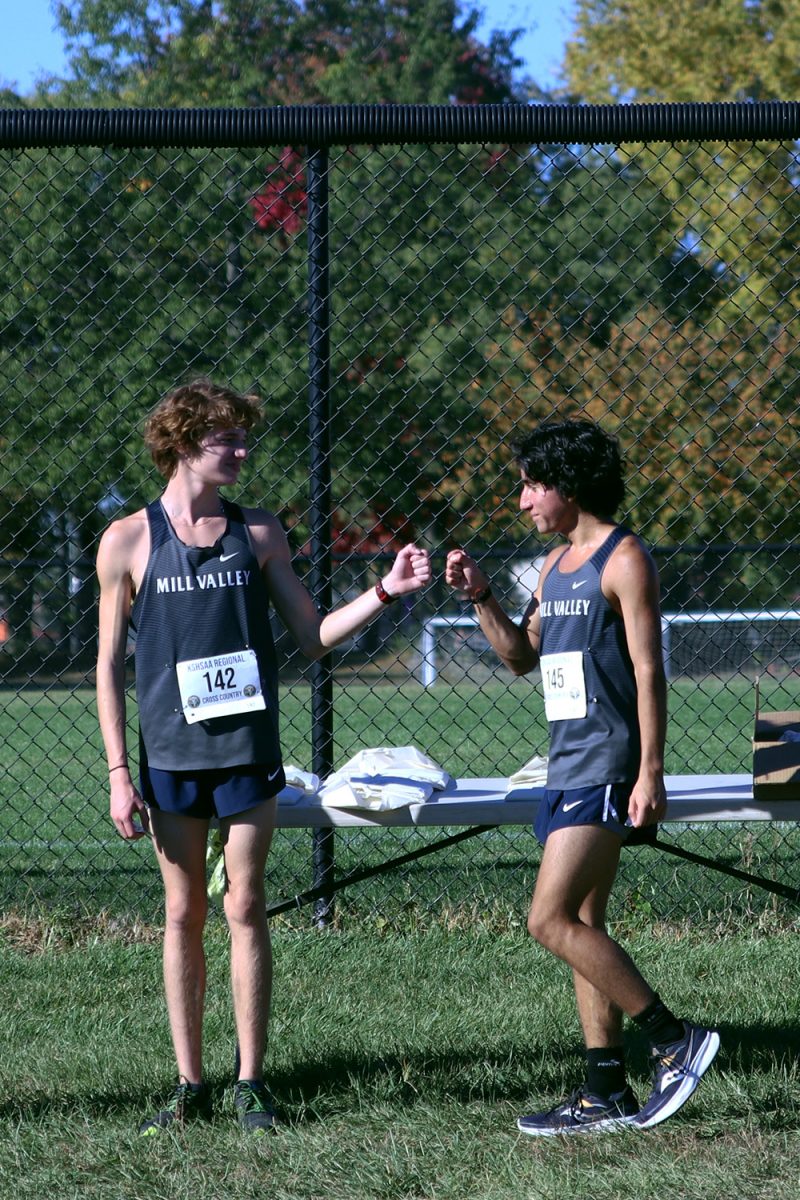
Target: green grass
x=57, y=845
x=406, y=1040
x=399, y=1062
x=55, y=749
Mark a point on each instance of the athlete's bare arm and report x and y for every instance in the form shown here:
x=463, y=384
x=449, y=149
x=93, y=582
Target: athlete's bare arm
x=121, y=558
x=516, y=645
x=630, y=584
x=316, y=634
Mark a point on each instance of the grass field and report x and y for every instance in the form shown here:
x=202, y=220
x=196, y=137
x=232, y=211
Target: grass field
x=400, y=1063
x=57, y=847
x=407, y=1039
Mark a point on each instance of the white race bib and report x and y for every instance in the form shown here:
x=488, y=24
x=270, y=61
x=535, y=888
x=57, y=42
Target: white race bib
x=564, y=685
x=220, y=685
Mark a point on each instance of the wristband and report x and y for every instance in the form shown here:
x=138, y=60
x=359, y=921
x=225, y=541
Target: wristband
x=118, y=767
x=383, y=595
x=481, y=597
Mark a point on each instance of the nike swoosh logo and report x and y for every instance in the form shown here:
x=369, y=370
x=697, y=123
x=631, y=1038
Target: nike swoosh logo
x=225, y=557
x=273, y=775
x=568, y=807
x=577, y=585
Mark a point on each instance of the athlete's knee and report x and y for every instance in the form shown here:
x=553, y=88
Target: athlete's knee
x=186, y=912
x=244, y=904
x=540, y=927
x=547, y=928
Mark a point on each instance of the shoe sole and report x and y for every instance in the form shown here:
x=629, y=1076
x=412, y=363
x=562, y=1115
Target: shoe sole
x=701, y=1063
x=154, y=1129
x=260, y=1130
x=608, y=1125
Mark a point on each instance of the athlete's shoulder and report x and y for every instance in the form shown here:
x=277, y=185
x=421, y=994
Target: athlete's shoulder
x=631, y=568
x=550, y=561
x=126, y=532
x=262, y=523
x=267, y=533
x=258, y=516
x=122, y=544
x=630, y=547
x=625, y=533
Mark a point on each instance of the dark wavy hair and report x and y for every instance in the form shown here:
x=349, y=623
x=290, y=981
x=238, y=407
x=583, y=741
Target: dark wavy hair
x=179, y=422
x=577, y=458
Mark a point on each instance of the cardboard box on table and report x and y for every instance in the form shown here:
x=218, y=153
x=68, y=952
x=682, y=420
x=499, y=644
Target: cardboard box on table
x=776, y=762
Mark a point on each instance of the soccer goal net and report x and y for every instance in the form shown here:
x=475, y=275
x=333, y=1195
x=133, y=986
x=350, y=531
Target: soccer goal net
x=722, y=644
x=731, y=643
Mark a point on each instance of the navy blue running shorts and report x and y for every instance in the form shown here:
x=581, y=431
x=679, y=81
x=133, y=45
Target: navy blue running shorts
x=221, y=792
x=605, y=805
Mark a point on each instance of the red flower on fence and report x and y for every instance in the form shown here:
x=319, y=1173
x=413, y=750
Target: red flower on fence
x=282, y=203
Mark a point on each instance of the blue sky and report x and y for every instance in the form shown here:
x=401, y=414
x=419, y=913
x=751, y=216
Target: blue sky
x=30, y=46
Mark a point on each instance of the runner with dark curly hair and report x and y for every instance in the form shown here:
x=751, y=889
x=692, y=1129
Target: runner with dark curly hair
x=593, y=628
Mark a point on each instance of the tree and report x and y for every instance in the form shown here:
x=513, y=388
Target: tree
x=126, y=272
x=736, y=207
x=470, y=285
x=262, y=52
x=706, y=420
x=212, y=272
x=712, y=50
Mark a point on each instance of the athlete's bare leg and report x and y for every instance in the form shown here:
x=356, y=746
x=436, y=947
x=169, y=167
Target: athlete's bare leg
x=600, y=1018
x=180, y=844
x=246, y=840
x=566, y=916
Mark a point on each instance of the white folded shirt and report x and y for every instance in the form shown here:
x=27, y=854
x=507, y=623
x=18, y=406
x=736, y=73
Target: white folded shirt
x=304, y=780
x=375, y=794
x=533, y=774
x=384, y=778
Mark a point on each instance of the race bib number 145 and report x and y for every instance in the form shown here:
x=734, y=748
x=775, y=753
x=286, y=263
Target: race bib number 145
x=564, y=686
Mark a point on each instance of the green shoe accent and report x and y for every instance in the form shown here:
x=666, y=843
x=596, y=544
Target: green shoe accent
x=189, y=1102
x=254, y=1107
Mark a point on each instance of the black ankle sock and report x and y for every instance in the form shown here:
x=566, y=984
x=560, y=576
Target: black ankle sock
x=605, y=1071
x=659, y=1025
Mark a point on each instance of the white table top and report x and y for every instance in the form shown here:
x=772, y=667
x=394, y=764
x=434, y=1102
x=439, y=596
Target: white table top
x=487, y=802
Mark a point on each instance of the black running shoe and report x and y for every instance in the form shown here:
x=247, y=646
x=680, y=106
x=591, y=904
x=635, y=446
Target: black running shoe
x=189, y=1102
x=582, y=1113
x=254, y=1107
x=677, y=1070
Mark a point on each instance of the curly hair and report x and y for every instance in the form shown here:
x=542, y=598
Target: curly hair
x=577, y=458
x=179, y=422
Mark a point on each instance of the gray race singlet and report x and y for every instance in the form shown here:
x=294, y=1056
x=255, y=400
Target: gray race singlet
x=602, y=746
x=196, y=602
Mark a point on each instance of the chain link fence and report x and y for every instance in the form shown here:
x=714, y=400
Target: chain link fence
x=404, y=297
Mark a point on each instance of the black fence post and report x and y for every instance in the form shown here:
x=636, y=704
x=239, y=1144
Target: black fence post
x=319, y=409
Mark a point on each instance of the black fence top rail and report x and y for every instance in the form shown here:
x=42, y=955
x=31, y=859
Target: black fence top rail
x=319, y=126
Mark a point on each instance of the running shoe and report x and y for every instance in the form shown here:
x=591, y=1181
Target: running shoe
x=582, y=1113
x=189, y=1102
x=254, y=1107
x=677, y=1070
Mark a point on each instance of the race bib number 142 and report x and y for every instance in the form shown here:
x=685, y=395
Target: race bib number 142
x=220, y=686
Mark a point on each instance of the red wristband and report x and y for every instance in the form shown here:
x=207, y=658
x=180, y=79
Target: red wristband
x=383, y=595
x=478, y=597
